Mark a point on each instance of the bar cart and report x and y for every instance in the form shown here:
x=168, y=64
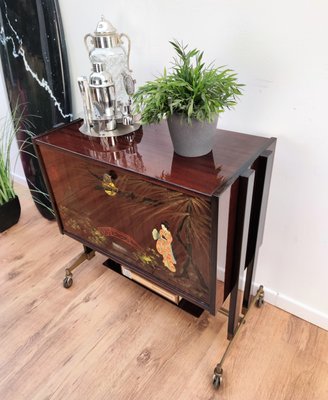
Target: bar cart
x=190, y=227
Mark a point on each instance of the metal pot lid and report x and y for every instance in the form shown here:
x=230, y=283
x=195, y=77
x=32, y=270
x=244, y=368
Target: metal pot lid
x=104, y=27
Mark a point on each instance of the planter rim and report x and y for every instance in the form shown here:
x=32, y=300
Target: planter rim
x=184, y=117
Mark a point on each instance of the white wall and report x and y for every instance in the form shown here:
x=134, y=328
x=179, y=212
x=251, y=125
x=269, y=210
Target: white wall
x=280, y=51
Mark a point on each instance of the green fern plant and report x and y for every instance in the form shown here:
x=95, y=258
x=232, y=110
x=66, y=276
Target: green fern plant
x=10, y=125
x=192, y=88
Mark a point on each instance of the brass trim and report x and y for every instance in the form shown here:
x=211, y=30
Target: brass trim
x=79, y=260
x=242, y=321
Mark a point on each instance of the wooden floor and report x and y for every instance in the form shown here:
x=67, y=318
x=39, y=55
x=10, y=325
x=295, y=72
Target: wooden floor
x=108, y=338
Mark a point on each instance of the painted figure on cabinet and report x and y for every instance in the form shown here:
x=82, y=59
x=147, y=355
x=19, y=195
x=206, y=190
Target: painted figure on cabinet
x=163, y=245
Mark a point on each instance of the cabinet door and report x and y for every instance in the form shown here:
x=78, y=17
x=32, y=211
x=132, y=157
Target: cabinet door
x=163, y=233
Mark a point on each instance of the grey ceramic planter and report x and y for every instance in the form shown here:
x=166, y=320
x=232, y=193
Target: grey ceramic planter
x=191, y=140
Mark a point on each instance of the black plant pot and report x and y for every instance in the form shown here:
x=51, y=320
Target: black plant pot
x=9, y=214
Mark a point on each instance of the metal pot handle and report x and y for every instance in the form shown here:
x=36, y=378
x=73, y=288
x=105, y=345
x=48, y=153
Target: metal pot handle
x=87, y=45
x=129, y=48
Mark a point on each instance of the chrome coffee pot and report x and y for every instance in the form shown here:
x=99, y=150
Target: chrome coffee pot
x=98, y=95
x=107, y=92
x=105, y=36
x=106, y=46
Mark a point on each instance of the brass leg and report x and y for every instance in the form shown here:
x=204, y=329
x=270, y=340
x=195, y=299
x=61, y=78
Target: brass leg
x=86, y=255
x=260, y=297
x=218, y=370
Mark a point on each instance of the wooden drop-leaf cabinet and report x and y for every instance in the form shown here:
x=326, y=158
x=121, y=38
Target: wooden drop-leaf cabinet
x=192, y=226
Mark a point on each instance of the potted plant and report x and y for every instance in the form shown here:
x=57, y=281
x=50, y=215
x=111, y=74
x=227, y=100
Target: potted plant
x=9, y=202
x=190, y=97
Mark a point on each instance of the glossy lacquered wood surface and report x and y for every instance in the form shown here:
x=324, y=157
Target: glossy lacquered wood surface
x=122, y=215
x=149, y=152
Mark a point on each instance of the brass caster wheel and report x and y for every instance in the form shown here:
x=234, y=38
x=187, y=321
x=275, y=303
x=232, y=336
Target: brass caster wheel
x=68, y=281
x=217, y=377
x=217, y=380
x=260, y=300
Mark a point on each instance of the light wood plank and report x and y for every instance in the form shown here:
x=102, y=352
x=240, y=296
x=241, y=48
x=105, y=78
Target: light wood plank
x=108, y=338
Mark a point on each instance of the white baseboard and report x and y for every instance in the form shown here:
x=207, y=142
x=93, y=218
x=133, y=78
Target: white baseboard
x=295, y=307
x=19, y=179
x=287, y=303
